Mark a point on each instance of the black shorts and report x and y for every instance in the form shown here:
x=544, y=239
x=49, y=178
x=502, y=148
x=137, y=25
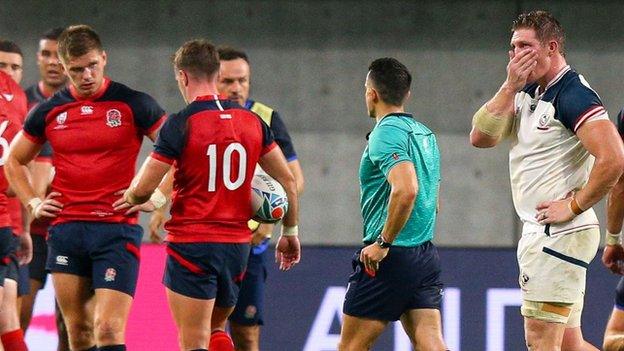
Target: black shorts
x=408, y=278
x=36, y=267
x=23, y=281
x=206, y=270
x=108, y=253
x=249, y=309
x=8, y=259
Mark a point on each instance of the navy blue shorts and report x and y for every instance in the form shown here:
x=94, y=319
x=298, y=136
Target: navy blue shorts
x=108, y=253
x=8, y=260
x=23, y=280
x=206, y=270
x=37, y=267
x=250, y=306
x=619, y=294
x=408, y=278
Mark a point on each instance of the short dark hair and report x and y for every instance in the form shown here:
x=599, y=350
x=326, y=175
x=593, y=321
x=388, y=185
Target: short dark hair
x=197, y=57
x=52, y=33
x=228, y=53
x=391, y=79
x=544, y=24
x=78, y=40
x=9, y=46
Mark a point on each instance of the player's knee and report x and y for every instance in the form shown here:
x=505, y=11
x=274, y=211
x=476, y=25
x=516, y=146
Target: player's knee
x=81, y=333
x=245, y=338
x=109, y=329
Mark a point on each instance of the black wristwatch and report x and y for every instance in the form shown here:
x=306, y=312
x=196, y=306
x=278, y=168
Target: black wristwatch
x=382, y=243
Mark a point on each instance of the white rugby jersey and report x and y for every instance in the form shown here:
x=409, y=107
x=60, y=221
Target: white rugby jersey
x=547, y=160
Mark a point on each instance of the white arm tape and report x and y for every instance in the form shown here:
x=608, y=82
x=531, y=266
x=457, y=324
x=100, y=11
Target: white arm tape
x=33, y=205
x=158, y=199
x=290, y=231
x=612, y=239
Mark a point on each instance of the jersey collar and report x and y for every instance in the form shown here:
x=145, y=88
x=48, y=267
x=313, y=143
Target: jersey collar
x=105, y=84
x=554, y=81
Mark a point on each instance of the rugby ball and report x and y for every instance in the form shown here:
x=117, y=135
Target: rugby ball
x=268, y=199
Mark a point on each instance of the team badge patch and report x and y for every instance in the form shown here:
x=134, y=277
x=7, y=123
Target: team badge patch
x=542, y=123
x=395, y=156
x=86, y=110
x=113, y=118
x=110, y=275
x=61, y=118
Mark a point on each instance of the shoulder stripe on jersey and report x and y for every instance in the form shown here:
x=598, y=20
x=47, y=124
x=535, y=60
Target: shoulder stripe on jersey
x=591, y=112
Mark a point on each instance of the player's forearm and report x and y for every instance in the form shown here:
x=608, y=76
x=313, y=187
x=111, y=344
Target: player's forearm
x=493, y=121
x=147, y=180
x=400, y=206
x=603, y=177
x=17, y=176
x=290, y=186
x=615, y=207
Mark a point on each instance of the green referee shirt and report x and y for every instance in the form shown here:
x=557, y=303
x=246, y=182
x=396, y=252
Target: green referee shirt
x=396, y=138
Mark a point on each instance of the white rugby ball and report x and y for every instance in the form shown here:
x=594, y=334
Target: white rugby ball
x=268, y=199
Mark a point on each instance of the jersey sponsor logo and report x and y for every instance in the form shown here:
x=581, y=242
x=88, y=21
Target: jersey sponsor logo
x=110, y=275
x=113, y=118
x=542, y=123
x=225, y=116
x=86, y=110
x=62, y=260
x=395, y=156
x=100, y=213
x=8, y=97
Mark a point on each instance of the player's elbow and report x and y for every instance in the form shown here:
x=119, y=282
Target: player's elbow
x=482, y=141
x=405, y=195
x=613, y=166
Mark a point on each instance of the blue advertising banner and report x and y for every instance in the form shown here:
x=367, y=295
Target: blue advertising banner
x=480, y=307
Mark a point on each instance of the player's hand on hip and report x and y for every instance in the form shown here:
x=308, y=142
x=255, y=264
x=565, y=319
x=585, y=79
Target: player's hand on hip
x=121, y=204
x=25, y=250
x=613, y=258
x=155, y=224
x=287, y=252
x=558, y=211
x=371, y=256
x=520, y=66
x=49, y=207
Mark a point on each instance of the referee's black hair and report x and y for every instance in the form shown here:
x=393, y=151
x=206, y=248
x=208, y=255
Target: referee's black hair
x=391, y=79
x=9, y=46
x=228, y=53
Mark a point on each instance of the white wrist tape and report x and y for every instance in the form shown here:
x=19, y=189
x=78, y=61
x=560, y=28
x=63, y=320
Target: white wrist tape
x=33, y=205
x=158, y=199
x=290, y=231
x=613, y=239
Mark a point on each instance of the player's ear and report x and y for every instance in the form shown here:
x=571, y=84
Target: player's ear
x=553, y=47
x=104, y=58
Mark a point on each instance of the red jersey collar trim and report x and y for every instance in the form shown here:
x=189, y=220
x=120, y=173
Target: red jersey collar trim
x=98, y=94
x=212, y=97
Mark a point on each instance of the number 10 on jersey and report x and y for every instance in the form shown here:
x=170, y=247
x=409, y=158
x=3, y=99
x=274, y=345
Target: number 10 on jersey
x=227, y=166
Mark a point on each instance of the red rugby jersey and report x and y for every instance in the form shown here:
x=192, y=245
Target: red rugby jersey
x=96, y=142
x=36, y=95
x=13, y=108
x=215, y=145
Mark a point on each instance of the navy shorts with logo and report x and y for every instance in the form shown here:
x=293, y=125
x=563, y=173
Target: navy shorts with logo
x=206, y=270
x=408, y=278
x=250, y=306
x=37, y=267
x=108, y=253
x=8, y=260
